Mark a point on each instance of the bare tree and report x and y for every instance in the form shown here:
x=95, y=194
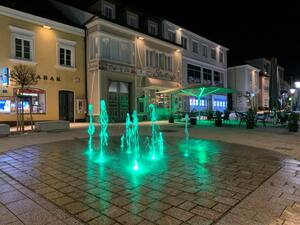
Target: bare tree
x=24, y=76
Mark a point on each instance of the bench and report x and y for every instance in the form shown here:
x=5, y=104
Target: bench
x=4, y=130
x=56, y=125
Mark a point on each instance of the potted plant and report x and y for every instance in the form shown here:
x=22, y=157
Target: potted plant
x=218, y=120
x=250, y=119
x=293, y=122
x=209, y=114
x=171, y=118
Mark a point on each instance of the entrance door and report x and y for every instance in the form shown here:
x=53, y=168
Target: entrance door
x=66, y=105
x=118, y=101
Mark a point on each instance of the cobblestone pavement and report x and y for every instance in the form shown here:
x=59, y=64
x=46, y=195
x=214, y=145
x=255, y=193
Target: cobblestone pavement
x=211, y=183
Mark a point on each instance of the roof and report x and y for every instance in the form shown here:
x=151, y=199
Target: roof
x=38, y=8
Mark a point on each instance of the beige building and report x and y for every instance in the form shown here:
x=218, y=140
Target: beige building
x=127, y=68
x=57, y=52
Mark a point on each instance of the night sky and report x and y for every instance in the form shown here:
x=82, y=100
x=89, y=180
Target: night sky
x=250, y=29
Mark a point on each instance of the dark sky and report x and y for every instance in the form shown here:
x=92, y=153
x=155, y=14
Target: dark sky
x=249, y=29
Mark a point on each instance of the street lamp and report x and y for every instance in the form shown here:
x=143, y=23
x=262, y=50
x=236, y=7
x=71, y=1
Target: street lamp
x=297, y=84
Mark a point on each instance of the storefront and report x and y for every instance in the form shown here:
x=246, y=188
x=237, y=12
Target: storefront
x=165, y=103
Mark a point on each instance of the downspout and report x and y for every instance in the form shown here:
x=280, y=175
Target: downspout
x=85, y=69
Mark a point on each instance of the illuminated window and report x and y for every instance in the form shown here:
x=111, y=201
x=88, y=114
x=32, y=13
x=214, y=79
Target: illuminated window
x=221, y=57
x=22, y=42
x=66, y=53
x=194, y=74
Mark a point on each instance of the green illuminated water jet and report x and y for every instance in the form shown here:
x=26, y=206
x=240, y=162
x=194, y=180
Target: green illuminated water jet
x=91, y=128
x=157, y=142
x=186, y=131
x=103, y=135
x=128, y=133
x=135, y=140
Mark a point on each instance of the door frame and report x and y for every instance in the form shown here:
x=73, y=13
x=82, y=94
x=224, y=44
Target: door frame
x=74, y=108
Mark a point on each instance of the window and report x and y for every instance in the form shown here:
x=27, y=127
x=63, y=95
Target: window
x=108, y=10
x=116, y=50
x=207, y=74
x=161, y=60
x=184, y=42
x=171, y=36
x=204, y=50
x=195, y=46
x=194, y=74
x=213, y=53
x=22, y=42
x=217, y=77
x=94, y=47
x=168, y=63
x=221, y=57
x=150, y=58
x=132, y=20
x=152, y=27
x=66, y=53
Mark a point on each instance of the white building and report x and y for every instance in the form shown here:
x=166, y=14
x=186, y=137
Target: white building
x=244, y=79
x=203, y=62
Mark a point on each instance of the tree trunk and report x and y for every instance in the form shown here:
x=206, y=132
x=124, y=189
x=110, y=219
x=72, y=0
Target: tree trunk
x=31, y=119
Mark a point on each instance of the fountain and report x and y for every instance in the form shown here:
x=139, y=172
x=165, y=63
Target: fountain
x=103, y=135
x=135, y=140
x=91, y=128
x=186, y=131
x=157, y=143
x=122, y=142
x=128, y=133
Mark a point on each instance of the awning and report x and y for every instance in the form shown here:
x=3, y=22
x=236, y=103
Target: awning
x=198, y=90
x=152, y=83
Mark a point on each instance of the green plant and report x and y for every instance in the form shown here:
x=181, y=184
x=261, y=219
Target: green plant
x=294, y=117
x=251, y=115
x=209, y=114
x=218, y=115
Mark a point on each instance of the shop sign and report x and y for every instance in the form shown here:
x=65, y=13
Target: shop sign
x=157, y=73
x=4, y=76
x=116, y=68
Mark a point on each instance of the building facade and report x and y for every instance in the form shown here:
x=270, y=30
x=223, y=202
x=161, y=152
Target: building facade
x=56, y=52
x=203, y=62
x=245, y=80
x=129, y=62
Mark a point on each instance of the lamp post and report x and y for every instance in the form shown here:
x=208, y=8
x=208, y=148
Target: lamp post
x=292, y=92
x=297, y=86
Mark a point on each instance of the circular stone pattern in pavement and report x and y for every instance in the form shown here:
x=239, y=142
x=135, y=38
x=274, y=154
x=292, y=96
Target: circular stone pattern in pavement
x=196, y=182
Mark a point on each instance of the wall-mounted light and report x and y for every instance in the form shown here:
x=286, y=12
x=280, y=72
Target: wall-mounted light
x=141, y=38
x=180, y=29
x=292, y=91
x=297, y=84
x=178, y=50
x=47, y=27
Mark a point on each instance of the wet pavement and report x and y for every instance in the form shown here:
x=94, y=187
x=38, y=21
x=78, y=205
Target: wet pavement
x=211, y=183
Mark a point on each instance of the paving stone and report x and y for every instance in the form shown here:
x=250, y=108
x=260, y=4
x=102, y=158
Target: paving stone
x=205, y=202
x=168, y=220
x=129, y=218
x=11, y=196
x=174, y=201
x=103, y=220
x=75, y=207
x=159, y=206
x=36, y=217
x=88, y=215
x=179, y=213
x=198, y=220
x=114, y=211
x=6, y=216
x=150, y=214
x=207, y=213
x=225, y=200
x=23, y=206
x=63, y=200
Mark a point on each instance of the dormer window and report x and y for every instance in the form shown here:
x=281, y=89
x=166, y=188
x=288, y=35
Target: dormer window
x=171, y=35
x=152, y=27
x=108, y=10
x=132, y=20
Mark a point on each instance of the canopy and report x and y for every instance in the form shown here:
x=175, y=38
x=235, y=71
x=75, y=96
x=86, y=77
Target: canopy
x=198, y=90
